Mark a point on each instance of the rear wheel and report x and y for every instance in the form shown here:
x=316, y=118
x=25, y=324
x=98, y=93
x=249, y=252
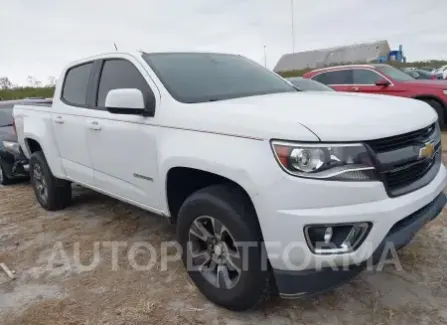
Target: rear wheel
x=51, y=192
x=213, y=226
x=439, y=108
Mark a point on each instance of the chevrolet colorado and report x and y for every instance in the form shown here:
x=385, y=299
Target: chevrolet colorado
x=271, y=189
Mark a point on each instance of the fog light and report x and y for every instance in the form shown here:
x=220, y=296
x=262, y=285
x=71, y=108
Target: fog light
x=335, y=239
x=328, y=235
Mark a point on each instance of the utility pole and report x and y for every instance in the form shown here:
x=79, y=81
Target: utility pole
x=265, y=57
x=293, y=26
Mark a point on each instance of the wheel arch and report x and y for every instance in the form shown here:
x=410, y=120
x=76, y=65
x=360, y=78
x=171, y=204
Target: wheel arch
x=430, y=97
x=441, y=112
x=32, y=145
x=182, y=181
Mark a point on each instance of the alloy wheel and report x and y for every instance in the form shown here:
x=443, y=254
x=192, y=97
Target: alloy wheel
x=40, y=183
x=214, y=252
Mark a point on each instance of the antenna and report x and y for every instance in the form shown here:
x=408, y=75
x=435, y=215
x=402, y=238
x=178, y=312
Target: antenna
x=293, y=26
x=265, y=56
x=116, y=47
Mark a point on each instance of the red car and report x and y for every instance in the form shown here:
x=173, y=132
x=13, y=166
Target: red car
x=384, y=79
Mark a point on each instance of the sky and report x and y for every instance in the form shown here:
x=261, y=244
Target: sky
x=40, y=37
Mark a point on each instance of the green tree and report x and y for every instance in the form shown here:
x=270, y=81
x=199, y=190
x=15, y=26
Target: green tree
x=5, y=83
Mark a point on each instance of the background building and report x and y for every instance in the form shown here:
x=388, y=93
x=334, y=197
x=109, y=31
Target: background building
x=366, y=52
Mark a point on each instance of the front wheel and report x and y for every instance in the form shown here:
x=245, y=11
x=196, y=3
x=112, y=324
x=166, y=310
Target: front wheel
x=51, y=192
x=221, y=240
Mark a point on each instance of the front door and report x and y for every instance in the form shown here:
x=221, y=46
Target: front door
x=69, y=125
x=364, y=81
x=123, y=147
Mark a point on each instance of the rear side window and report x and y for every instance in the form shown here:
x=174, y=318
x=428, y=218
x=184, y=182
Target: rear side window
x=74, y=91
x=341, y=77
x=117, y=74
x=365, y=77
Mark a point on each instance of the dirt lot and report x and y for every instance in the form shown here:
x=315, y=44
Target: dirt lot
x=65, y=294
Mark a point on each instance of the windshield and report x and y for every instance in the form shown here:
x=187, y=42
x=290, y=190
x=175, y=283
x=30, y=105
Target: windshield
x=423, y=74
x=202, y=77
x=309, y=85
x=394, y=73
x=419, y=74
x=6, y=116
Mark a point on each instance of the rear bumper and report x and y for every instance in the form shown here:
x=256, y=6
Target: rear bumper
x=292, y=284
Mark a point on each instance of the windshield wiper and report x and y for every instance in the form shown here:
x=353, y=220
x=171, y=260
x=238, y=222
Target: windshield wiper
x=1, y=126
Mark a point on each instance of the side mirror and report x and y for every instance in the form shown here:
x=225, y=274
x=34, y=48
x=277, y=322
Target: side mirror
x=383, y=83
x=128, y=101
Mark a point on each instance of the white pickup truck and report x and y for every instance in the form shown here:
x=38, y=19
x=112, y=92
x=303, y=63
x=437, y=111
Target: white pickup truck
x=272, y=190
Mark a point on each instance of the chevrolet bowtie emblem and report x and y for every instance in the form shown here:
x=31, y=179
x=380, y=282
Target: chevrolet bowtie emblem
x=427, y=150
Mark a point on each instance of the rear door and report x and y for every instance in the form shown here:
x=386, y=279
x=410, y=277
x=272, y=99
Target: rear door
x=69, y=124
x=340, y=80
x=123, y=147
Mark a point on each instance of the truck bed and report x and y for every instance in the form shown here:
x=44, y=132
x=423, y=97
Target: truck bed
x=46, y=102
x=30, y=117
x=26, y=101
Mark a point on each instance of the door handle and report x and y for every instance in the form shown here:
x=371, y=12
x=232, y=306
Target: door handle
x=59, y=120
x=94, y=125
x=355, y=88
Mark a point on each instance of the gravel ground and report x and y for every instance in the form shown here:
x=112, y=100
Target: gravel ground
x=67, y=294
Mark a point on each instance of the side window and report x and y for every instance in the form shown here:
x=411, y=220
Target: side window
x=118, y=73
x=341, y=77
x=365, y=77
x=74, y=91
x=323, y=78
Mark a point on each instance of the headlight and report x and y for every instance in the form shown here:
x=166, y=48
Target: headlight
x=12, y=147
x=445, y=91
x=349, y=162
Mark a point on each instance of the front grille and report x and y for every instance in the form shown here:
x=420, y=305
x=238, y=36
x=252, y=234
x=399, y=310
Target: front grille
x=402, y=140
x=407, y=175
x=398, y=162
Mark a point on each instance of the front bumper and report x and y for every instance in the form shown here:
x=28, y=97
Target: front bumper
x=14, y=165
x=292, y=284
x=283, y=216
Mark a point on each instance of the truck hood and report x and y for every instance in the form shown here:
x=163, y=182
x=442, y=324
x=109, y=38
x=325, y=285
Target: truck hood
x=7, y=134
x=442, y=84
x=310, y=116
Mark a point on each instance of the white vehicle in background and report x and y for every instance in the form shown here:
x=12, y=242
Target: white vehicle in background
x=441, y=73
x=270, y=187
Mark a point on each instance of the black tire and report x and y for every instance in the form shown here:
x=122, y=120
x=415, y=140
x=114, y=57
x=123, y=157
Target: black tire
x=439, y=108
x=4, y=179
x=58, y=191
x=231, y=207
